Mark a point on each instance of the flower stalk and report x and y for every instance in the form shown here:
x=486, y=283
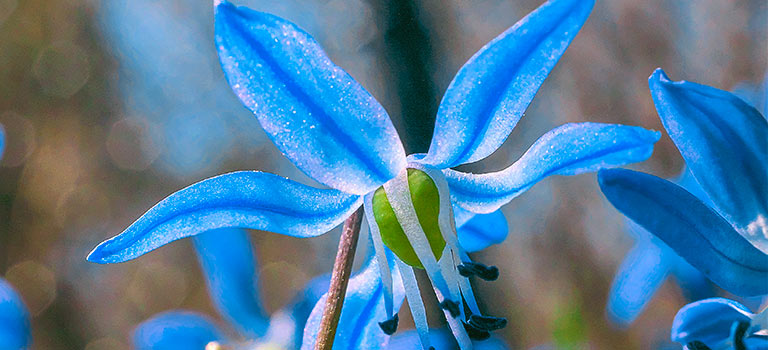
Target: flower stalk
x=342, y=268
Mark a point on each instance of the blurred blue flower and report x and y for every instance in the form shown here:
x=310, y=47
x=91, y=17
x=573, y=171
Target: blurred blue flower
x=648, y=264
x=332, y=129
x=721, y=324
x=228, y=263
x=14, y=318
x=724, y=142
x=440, y=339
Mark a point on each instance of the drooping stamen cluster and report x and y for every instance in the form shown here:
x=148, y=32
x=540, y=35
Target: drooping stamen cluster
x=413, y=217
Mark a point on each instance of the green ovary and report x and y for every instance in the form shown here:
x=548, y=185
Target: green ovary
x=426, y=201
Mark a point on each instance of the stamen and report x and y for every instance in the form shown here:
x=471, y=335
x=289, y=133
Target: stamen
x=414, y=301
x=488, y=273
x=466, y=287
x=451, y=306
x=697, y=345
x=738, y=335
x=488, y=323
x=390, y=326
x=475, y=333
x=381, y=255
x=457, y=326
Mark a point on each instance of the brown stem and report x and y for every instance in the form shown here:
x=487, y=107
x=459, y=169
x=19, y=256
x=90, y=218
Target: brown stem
x=342, y=268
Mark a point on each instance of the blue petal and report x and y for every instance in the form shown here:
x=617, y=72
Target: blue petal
x=567, y=150
x=641, y=274
x=14, y=319
x=2, y=141
x=302, y=305
x=228, y=264
x=759, y=342
x=482, y=230
x=708, y=321
x=316, y=114
x=696, y=232
x=490, y=93
x=175, y=330
x=694, y=284
x=724, y=142
x=440, y=339
x=247, y=199
x=363, y=309
x=286, y=326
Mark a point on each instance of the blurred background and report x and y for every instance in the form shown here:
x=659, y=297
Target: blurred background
x=109, y=106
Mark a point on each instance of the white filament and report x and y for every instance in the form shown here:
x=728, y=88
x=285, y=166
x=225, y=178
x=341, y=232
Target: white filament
x=381, y=255
x=448, y=228
x=418, y=311
x=457, y=328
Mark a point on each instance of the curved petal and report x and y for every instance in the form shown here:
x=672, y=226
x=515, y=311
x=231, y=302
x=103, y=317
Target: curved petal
x=363, y=309
x=228, y=263
x=248, y=199
x=693, y=230
x=316, y=114
x=641, y=274
x=694, y=284
x=14, y=319
x=482, y=230
x=708, y=321
x=724, y=142
x=173, y=330
x=567, y=150
x=2, y=141
x=491, y=91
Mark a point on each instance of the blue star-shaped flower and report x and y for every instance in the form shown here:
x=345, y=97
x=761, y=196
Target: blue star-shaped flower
x=332, y=129
x=724, y=142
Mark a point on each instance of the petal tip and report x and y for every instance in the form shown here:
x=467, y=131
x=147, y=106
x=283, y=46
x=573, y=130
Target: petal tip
x=102, y=254
x=606, y=176
x=659, y=75
x=96, y=255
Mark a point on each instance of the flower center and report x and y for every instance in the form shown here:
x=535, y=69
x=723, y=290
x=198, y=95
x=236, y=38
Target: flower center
x=426, y=201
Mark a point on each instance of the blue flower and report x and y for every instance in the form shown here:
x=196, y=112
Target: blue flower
x=648, y=264
x=724, y=142
x=228, y=263
x=720, y=324
x=332, y=129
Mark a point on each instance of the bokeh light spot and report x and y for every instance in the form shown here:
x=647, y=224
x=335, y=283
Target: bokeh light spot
x=131, y=144
x=6, y=9
x=36, y=284
x=156, y=287
x=61, y=69
x=20, y=140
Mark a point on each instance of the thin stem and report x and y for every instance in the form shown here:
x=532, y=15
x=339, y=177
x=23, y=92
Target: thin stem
x=342, y=268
